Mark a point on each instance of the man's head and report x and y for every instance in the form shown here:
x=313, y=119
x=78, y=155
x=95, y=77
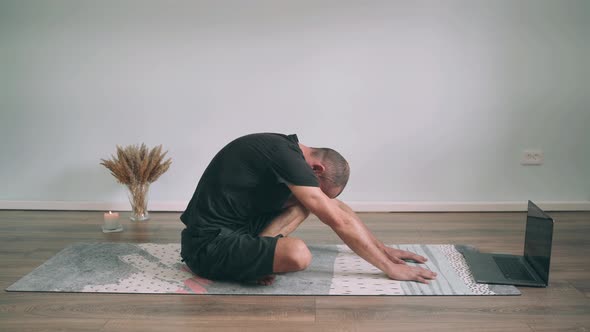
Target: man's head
x=331, y=169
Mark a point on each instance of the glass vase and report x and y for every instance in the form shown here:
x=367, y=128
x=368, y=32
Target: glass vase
x=138, y=197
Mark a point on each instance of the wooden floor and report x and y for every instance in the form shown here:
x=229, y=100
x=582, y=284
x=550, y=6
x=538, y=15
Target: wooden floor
x=28, y=238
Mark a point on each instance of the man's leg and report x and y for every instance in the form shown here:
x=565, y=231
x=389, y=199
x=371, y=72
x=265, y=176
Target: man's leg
x=285, y=223
x=291, y=254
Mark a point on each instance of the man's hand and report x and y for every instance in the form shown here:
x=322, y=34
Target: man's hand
x=398, y=256
x=401, y=271
x=412, y=273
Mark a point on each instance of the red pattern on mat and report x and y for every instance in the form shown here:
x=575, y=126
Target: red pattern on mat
x=194, y=285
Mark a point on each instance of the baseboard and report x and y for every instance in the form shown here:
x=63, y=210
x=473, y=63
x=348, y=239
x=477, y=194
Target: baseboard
x=359, y=206
x=492, y=206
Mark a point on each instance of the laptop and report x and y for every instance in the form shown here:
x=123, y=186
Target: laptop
x=531, y=269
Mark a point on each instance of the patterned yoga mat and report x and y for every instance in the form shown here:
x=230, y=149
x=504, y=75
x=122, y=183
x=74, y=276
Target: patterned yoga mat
x=156, y=268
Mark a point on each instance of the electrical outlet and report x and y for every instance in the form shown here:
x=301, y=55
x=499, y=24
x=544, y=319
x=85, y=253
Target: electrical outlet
x=532, y=157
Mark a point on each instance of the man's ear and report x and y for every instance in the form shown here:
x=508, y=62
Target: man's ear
x=318, y=168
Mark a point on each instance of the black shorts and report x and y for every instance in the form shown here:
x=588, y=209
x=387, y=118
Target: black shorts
x=231, y=255
x=238, y=257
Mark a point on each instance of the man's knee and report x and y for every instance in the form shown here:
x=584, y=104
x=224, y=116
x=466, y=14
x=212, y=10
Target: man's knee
x=292, y=255
x=301, y=256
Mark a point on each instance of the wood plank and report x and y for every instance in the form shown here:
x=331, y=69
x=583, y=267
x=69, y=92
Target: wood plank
x=14, y=324
x=141, y=306
x=239, y=326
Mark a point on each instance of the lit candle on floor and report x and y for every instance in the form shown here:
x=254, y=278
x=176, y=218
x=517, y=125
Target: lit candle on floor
x=111, y=220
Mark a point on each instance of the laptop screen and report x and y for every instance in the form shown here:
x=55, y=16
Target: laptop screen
x=538, y=238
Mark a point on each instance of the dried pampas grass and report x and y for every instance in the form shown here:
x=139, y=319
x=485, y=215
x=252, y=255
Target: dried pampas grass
x=136, y=167
x=136, y=164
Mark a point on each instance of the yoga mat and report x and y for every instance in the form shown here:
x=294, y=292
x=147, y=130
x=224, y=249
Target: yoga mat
x=151, y=268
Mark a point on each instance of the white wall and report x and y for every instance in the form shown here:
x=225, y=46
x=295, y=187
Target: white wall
x=429, y=100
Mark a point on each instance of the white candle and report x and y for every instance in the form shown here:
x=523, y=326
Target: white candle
x=111, y=220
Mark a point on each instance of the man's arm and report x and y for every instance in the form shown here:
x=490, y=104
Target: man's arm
x=356, y=235
x=397, y=256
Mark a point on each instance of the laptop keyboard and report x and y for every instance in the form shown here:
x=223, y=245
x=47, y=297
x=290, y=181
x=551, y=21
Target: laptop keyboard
x=513, y=269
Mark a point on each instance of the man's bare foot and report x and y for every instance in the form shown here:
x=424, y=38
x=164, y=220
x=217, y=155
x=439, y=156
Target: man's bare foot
x=267, y=280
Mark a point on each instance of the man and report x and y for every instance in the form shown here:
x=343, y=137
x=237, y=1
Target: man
x=255, y=192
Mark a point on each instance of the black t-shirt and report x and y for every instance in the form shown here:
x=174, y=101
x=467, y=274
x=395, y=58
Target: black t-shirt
x=247, y=181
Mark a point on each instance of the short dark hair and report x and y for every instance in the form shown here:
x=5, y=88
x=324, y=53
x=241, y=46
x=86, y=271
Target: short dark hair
x=337, y=168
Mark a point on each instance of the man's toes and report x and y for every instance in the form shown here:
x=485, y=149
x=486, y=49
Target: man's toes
x=267, y=280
